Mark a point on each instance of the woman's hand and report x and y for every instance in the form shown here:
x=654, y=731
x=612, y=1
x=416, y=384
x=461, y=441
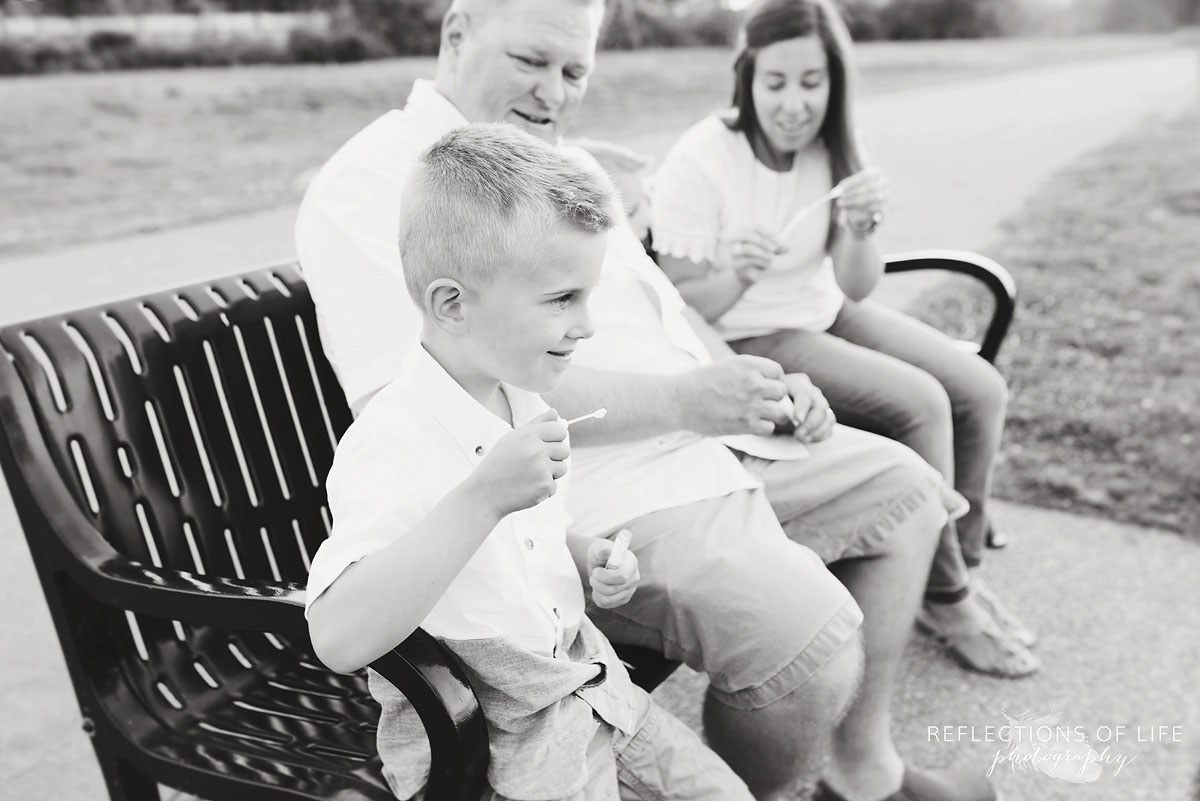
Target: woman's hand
x=862, y=197
x=749, y=253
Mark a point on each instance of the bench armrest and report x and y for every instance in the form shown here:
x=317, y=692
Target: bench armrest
x=435, y=683
x=991, y=274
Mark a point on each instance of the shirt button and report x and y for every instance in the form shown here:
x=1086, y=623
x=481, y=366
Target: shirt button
x=479, y=450
x=528, y=544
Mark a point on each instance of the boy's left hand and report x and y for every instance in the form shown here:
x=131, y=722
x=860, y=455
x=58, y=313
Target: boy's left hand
x=611, y=588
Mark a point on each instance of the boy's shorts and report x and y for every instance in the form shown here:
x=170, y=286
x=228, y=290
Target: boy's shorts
x=664, y=760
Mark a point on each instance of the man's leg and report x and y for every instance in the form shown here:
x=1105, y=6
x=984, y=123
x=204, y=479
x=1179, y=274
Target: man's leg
x=870, y=389
x=724, y=590
x=864, y=762
x=789, y=743
x=873, y=509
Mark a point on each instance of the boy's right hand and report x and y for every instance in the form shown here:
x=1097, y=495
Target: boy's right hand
x=521, y=469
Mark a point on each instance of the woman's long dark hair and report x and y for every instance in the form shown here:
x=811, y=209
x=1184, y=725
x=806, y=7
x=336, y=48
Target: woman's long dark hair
x=772, y=21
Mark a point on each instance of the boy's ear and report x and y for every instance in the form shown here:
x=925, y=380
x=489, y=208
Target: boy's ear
x=444, y=303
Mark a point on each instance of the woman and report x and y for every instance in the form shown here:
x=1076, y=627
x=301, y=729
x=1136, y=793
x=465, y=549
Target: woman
x=745, y=226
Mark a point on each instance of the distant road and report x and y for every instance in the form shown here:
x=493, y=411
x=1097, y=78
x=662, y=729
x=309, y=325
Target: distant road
x=962, y=156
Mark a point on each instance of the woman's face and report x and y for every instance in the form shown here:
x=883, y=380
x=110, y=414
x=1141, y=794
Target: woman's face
x=791, y=92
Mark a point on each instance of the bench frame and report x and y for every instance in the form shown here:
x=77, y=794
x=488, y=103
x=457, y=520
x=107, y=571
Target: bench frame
x=83, y=574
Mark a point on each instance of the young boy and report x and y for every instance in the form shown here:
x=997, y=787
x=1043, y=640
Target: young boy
x=447, y=493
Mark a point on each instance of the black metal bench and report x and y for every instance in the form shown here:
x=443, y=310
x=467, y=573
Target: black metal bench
x=166, y=456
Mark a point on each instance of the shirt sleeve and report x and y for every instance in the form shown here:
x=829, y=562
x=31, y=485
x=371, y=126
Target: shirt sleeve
x=686, y=208
x=369, y=513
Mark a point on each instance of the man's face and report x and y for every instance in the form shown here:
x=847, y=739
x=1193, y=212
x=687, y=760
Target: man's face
x=525, y=328
x=526, y=62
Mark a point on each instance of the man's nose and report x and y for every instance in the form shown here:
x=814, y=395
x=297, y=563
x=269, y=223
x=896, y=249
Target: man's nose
x=550, y=89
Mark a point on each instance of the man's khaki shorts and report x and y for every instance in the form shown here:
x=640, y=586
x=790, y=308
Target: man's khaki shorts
x=727, y=592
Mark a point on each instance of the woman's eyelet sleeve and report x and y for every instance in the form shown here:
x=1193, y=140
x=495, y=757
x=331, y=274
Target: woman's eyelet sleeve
x=686, y=211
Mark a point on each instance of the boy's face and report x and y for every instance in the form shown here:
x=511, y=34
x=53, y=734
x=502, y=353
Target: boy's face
x=525, y=327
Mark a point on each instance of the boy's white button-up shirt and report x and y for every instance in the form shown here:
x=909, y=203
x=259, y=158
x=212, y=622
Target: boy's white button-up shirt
x=513, y=615
x=418, y=439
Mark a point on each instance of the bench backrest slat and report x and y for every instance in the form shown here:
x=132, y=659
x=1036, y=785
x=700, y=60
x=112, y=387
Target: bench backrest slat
x=195, y=426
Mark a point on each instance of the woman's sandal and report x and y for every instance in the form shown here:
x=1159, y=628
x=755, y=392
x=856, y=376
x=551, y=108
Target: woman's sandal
x=979, y=645
x=1000, y=613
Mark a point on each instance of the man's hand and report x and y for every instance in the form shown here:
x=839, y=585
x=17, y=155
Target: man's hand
x=522, y=466
x=813, y=418
x=734, y=395
x=611, y=588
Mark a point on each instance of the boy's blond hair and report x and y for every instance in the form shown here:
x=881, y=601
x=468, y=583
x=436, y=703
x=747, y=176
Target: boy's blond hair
x=484, y=198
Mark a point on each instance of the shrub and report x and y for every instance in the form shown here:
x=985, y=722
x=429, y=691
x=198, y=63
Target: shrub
x=863, y=19
x=112, y=49
x=409, y=27
x=943, y=19
x=308, y=46
x=55, y=57
x=110, y=40
x=15, y=59
x=358, y=45
x=630, y=29
x=313, y=47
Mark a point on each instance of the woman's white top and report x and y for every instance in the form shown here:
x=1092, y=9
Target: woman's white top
x=711, y=187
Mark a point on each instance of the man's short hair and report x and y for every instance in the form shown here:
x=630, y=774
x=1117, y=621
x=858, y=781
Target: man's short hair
x=483, y=199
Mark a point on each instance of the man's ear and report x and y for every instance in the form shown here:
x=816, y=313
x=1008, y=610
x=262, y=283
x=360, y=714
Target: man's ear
x=454, y=28
x=444, y=303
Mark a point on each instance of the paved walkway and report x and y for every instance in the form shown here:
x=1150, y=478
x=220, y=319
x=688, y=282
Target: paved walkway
x=1119, y=608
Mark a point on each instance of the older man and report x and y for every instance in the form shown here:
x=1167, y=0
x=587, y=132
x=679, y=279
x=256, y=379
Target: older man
x=724, y=588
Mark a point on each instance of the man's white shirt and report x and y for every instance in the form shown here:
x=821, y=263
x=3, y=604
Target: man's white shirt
x=346, y=237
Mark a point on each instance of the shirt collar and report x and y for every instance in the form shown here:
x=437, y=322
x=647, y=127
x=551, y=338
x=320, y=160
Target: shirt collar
x=432, y=107
x=473, y=427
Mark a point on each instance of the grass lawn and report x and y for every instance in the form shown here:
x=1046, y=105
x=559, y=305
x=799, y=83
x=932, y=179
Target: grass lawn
x=1104, y=357
x=93, y=156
